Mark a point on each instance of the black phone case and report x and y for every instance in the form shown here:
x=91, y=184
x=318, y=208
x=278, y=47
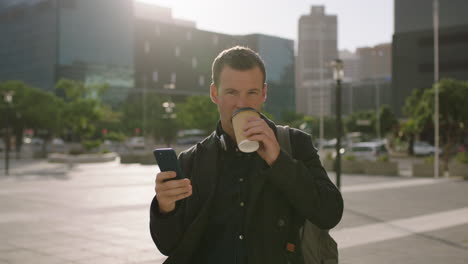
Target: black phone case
x=167, y=161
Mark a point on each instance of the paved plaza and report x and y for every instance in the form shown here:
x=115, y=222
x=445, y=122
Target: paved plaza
x=99, y=213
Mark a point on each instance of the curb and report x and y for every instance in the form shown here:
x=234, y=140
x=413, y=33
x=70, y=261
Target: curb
x=84, y=158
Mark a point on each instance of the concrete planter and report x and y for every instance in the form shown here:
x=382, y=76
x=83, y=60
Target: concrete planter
x=388, y=168
x=83, y=158
x=352, y=166
x=424, y=170
x=146, y=158
x=458, y=169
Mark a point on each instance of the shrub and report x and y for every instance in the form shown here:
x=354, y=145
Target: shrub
x=462, y=157
x=329, y=156
x=115, y=136
x=104, y=151
x=91, y=144
x=429, y=160
x=350, y=157
x=383, y=158
x=75, y=151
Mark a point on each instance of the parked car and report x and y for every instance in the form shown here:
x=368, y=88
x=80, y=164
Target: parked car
x=57, y=145
x=37, y=141
x=136, y=143
x=329, y=147
x=190, y=136
x=368, y=150
x=422, y=148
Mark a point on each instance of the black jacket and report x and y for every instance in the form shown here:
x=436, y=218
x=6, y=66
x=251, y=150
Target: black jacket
x=290, y=187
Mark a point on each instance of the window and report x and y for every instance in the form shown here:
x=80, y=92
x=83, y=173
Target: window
x=147, y=47
x=155, y=76
x=177, y=51
x=201, y=80
x=173, y=77
x=189, y=35
x=194, y=62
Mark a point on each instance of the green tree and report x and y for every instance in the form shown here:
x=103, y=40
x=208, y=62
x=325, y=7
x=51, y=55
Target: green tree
x=198, y=112
x=30, y=108
x=388, y=120
x=352, y=124
x=416, y=122
x=453, y=113
x=310, y=124
x=409, y=130
x=83, y=108
x=149, y=115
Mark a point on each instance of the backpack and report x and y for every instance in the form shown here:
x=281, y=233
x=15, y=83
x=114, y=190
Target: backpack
x=316, y=244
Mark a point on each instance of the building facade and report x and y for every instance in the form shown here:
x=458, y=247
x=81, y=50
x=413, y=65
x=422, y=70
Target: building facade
x=317, y=46
x=81, y=40
x=175, y=60
x=375, y=62
x=132, y=46
x=413, y=46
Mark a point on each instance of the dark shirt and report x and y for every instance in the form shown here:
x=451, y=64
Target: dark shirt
x=224, y=240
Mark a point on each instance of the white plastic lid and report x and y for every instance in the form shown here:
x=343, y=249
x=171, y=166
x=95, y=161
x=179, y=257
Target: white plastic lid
x=248, y=146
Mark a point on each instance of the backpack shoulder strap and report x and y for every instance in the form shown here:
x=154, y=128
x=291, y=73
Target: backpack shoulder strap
x=316, y=245
x=284, y=140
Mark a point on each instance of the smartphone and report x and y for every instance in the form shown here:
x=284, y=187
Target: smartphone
x=167, y=161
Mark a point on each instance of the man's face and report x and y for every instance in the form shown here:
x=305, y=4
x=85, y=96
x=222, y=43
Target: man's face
x=238, y=89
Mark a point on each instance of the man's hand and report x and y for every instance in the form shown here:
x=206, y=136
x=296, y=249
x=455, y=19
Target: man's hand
x=168, y=192
x=257, y=129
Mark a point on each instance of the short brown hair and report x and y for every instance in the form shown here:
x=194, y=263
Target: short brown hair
x=238, y=58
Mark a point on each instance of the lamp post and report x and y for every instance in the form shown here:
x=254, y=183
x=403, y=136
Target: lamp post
x=8, y=97
x=338, y=75
x=169, y=115
x=435, y=7
x=321, y=126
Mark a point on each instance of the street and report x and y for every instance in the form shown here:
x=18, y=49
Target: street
x=99, y=213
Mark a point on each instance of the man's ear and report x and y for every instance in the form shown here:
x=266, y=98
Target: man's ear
x=264, y=92
x=213, y=93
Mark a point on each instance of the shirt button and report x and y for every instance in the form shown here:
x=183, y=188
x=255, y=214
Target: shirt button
x=281, y=222
x=241, y=204
x=241, y=237
x=241, y=179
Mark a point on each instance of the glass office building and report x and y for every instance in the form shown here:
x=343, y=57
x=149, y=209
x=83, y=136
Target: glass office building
x=278, y=54
x=86, y=40
x=413, y=46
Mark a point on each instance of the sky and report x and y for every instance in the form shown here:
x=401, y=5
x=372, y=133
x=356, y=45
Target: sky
x=361, y=23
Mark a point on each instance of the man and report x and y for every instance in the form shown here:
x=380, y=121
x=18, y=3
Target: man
x=236, y=207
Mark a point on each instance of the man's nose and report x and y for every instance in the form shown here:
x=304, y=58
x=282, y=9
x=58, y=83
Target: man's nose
x=242, y=102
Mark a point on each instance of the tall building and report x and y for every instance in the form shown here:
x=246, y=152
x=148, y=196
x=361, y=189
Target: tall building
x=367, y=79
x=278, y=54
x=175, y=60
x=317, y=46
x=375, y=62
x=131, y=45
x=351, y=66
x=86, y=40
x=413, y=46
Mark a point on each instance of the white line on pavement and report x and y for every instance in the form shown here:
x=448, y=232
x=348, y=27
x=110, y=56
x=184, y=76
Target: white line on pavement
x=357, y=236
x=389, y=185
